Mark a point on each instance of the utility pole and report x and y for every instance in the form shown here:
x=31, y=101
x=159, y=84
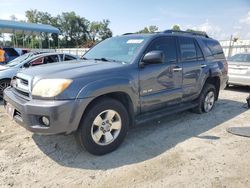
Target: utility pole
x=230, y=47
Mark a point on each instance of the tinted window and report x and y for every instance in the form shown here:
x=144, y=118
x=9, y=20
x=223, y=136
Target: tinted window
x=167, y=46
x=215, y=48
x=188, y=49
x=199, y=53
x=51, y=59
x=11, y=51
x=68, y=58
x=240, y=58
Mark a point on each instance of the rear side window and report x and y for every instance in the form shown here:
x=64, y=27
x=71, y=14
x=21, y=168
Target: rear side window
x=190, y=50
x=214, y=48
x=51, y=59
x=167, y=45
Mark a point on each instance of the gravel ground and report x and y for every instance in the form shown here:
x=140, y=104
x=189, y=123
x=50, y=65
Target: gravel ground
x=182, y=150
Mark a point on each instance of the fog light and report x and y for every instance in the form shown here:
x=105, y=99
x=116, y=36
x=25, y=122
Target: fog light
x=45, y=121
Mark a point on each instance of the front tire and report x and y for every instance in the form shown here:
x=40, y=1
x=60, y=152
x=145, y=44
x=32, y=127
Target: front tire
x=103, y=126
x=3, y=85
x=206, y=99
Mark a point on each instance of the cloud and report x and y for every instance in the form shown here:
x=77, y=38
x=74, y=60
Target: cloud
x=210, y=28
x=246, y=19
x=6, y=16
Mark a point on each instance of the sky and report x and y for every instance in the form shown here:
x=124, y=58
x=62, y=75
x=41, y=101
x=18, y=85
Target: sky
x=219, y=18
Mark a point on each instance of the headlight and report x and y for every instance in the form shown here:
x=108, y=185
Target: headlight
x=50, y=87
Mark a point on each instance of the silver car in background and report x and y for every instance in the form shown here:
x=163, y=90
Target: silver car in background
x=9, y=70
x=239, y=69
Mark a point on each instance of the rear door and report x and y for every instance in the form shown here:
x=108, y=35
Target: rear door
x=192, y=61
x=160, y=84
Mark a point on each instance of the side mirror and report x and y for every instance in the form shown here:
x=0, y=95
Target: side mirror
x=26, y=65
x=153, y=57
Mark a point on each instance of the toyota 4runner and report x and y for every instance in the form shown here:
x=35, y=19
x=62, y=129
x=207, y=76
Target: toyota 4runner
x=122, y=81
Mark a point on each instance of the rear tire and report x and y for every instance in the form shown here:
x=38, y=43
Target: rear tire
x=206, y=99
x=3, y=85
x=103, y=127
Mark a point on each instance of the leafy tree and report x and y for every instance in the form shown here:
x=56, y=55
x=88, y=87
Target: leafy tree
x=196, y=31
x=150, y=29
x=99, y=30
x=75, y=30
x=176, y=27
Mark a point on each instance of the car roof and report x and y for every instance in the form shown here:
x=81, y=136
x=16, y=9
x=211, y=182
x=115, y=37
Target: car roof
x=176, y=34
x=43, y=54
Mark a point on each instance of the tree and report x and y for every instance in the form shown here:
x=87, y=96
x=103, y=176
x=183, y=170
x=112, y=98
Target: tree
x=196, y=31
x=99, y=30
x=75, y=30
x=176, y=27
x=150, y=29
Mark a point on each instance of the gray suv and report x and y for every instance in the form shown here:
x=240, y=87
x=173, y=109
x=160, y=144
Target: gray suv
x=121, y=82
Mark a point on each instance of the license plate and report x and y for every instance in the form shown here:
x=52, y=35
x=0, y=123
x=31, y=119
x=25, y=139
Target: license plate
x=10, y=110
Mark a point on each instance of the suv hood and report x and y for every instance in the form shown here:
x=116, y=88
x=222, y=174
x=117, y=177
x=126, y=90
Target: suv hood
x=70, y=70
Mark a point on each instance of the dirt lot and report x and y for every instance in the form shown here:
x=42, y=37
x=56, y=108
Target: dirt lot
x=183, y=150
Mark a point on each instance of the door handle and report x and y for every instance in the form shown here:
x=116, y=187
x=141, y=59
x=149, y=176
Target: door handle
x=176, y=69
x=203, y=66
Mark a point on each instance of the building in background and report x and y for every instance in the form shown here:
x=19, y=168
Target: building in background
x=233, y=47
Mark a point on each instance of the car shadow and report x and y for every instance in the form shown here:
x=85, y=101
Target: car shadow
x=244, y=89
x=143, y=142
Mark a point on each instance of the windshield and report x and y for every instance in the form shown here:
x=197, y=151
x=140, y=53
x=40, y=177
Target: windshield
x=18, y=60
x=240, y=58
x=121, y=49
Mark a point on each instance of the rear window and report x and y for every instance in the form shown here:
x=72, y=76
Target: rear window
x=214, y=48
x=11, y=52
x=240, y=58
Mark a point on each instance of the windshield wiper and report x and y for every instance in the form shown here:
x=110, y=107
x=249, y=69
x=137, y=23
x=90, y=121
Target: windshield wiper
x=84, y=58
x=101, y=59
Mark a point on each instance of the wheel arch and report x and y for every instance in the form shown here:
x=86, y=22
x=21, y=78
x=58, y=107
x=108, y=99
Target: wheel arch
x=215, y=80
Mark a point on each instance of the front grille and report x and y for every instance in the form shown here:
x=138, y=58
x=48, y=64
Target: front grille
x=21, y=84
x=26, y=94
x=25, y=82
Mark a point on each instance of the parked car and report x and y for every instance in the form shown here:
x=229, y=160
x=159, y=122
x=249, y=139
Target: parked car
x=122, y=81
x=13, y=53
x=8, y=71
x=239, y=69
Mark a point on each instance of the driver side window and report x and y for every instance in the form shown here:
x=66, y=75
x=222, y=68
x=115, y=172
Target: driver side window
x=36, y=62
x=167, y=45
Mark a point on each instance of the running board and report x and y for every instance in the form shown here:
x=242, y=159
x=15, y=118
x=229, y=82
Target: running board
x=164, y=112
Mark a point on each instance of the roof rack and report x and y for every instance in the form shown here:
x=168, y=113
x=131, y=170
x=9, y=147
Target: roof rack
x=128, y=33
x=203, y=34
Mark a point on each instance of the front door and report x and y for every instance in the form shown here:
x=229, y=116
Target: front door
x=161, y=84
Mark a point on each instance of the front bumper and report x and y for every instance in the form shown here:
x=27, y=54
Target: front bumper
x=224, y=81
x=239, y=80
x=64, y=115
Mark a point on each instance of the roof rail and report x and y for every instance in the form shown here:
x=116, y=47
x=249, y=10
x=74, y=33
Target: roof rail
x=204, y=34
x=128, y=33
